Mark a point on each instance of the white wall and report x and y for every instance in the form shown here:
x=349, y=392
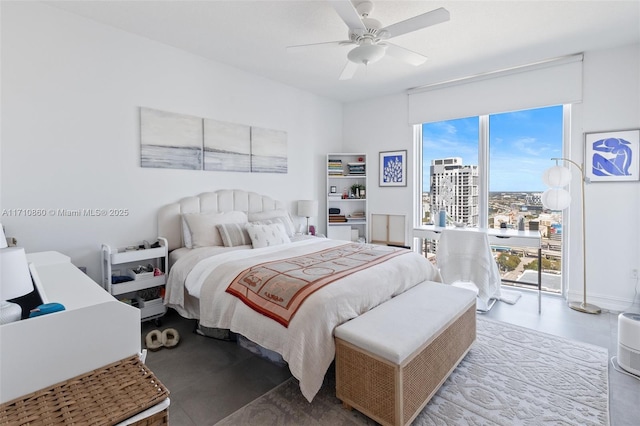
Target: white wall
x=611, y=101
x=71, y=89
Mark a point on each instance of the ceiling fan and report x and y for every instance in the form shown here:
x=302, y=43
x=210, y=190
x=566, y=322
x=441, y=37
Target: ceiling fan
x=369, y=36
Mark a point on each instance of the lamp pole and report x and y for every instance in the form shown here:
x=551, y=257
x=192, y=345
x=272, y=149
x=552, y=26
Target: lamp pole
x=582, y=306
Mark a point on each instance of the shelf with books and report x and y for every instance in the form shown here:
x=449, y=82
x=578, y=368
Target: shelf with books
x=346, y=196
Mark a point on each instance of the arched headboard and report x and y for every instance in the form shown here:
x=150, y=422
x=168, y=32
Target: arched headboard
x=221, y=201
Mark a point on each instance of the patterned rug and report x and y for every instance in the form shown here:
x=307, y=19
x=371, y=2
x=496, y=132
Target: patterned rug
x=511, y=376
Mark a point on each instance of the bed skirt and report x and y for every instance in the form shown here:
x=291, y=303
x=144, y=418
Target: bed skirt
x=217, y=333
x=243, y=342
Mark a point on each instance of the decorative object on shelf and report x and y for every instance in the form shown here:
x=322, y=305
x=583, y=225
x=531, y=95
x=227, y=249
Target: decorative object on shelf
x=557, y=198
x=442, y=217
x=15, y=280
x=357, y=189
x=333, y=189
x=307, y=208
x=393, y=168
x=612, y=156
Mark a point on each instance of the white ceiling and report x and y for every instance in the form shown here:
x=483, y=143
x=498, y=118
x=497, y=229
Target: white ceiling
x=481, y=36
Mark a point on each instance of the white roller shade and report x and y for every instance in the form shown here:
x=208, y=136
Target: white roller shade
x=553, y=82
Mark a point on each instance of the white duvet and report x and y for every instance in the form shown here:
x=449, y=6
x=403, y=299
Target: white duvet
x=201, y=279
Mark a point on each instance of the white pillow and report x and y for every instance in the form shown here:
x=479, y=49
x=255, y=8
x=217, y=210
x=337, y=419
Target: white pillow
x=186, y=234
x=202, y=227
x=234, y=234
x=273, y=216
x=267, y=235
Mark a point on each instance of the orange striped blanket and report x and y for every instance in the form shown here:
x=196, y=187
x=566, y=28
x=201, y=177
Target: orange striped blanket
x=276, y=289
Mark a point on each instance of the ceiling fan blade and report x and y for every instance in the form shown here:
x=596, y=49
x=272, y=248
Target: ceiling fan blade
x=405, y=55
x=304, y=47
x=349, y=70
x=419, y=22
x=348, y=14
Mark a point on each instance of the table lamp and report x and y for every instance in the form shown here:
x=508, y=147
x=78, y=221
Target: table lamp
x=307, y=208
x=15, y=280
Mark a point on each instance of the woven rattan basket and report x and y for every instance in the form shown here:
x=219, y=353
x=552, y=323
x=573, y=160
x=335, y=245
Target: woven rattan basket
x=105, y=396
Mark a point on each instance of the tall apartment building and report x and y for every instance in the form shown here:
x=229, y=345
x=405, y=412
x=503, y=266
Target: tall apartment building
x=450, y=178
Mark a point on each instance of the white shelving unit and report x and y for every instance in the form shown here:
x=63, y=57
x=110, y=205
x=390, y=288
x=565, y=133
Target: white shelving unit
x=340, y=180
x=124, y=260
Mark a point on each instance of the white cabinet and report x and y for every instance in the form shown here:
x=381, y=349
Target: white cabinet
x=347, y=196
x=123, y=262
x=387, y=229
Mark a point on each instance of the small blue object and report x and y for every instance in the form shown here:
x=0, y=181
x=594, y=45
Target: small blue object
x=46, y=308
x=442, y=218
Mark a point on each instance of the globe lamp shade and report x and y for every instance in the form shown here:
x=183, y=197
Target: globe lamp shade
x=557, y=176
x=556, y=199
x=366, y=54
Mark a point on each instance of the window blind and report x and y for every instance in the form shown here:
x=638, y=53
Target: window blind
x=553, y=82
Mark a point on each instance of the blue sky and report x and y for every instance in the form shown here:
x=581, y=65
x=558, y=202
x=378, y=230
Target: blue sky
x=521, y=145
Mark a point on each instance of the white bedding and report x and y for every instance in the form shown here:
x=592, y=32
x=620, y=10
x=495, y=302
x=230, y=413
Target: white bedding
x=198, y=280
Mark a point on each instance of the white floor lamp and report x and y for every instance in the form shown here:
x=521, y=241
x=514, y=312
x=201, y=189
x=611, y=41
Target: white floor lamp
x=557, y=198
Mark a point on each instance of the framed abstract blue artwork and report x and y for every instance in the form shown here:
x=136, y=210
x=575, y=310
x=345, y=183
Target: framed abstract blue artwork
x=612, y=156
x=393, y=168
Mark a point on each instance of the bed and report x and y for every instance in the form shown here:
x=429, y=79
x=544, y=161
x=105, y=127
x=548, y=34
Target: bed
x=213, y=276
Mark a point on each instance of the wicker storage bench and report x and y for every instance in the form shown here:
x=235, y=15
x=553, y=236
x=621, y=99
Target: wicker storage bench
x=392, y=359
x=105, y=396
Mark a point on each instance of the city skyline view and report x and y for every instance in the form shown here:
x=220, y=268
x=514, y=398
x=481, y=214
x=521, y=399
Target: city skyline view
x=521, y=145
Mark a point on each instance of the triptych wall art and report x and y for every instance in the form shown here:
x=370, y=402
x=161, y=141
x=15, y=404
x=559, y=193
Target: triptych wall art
x=177, y=141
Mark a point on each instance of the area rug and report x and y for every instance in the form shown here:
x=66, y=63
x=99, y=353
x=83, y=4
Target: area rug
x=511, y=376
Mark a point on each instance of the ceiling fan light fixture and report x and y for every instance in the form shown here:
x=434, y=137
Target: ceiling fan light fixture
x=366, y=54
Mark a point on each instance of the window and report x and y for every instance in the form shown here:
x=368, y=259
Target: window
x=502, y=191
x=446, y=147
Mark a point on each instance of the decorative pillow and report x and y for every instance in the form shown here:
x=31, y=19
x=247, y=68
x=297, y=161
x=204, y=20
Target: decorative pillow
x=267, y=235
x=202, y=226
x=273, y=216
x=234, y=234
x=186, y=234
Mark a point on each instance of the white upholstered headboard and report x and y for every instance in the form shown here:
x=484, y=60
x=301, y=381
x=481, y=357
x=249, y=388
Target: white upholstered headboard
x=224, y=200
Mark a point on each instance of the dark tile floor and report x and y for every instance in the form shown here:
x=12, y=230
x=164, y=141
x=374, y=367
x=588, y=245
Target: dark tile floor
x=210, y=379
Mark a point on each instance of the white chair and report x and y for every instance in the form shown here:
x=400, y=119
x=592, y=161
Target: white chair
x=465, y=260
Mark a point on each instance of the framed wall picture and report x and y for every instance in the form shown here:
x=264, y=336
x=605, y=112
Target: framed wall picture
x=612, y=156
x=393, y=168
